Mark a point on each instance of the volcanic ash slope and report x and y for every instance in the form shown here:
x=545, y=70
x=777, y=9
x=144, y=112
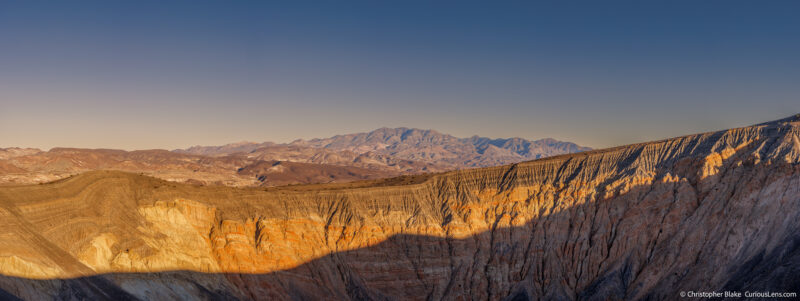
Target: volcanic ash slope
x=714, y=211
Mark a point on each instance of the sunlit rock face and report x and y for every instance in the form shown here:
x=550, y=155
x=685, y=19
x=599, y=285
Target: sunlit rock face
x=704, y=212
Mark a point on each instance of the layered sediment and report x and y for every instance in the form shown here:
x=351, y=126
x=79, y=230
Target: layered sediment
x=702, y=212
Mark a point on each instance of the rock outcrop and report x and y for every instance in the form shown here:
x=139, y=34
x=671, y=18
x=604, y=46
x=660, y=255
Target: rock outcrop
x=703, y=212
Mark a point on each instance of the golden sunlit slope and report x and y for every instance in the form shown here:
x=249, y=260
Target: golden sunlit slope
x=699, y=212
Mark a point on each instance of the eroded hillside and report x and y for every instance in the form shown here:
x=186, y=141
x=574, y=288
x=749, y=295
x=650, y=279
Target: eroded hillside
x=702, y=212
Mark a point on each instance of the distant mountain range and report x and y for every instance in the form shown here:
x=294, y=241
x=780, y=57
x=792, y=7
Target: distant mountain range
x=417, y=145
x=381, y=153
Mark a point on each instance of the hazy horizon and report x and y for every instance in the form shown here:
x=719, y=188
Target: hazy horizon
x=149, y=75
x=367, y=131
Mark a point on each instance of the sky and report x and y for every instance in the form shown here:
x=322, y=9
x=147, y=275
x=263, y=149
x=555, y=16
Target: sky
x=152, y=74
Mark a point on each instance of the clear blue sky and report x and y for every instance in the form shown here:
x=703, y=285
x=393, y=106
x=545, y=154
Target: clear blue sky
x=151, y=74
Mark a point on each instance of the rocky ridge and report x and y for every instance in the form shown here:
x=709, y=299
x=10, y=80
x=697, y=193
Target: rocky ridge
x=432, y=146
x=702, y=212
x=427, y=147
x=221, y=165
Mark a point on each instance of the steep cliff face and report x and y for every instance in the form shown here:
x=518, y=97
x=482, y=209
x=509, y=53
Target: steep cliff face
x=702, y=212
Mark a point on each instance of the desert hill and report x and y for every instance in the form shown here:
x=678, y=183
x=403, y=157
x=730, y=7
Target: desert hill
x=713, y=211
x=312, y=161
x=284, y=173
x=235, y=171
